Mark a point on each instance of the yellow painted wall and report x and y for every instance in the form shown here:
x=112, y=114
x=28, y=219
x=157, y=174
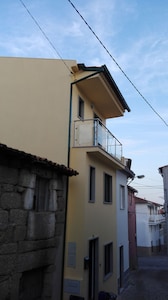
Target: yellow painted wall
x=34, y=106
x=87, y=220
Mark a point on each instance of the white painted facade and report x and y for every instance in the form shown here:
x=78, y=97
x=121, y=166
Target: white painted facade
x=149, y=225
x=164, y=173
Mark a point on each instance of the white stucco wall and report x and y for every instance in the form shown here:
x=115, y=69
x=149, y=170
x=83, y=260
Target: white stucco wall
x=146, y=234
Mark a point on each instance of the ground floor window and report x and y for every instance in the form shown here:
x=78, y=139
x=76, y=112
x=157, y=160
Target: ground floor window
x=108, y=259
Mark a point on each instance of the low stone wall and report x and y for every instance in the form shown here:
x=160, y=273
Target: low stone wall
x=31, y=237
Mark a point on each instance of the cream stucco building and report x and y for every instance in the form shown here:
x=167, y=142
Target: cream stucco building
x=58, y=110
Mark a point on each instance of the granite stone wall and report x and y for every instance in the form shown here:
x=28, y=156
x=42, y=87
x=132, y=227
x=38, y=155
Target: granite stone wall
x=31, y=232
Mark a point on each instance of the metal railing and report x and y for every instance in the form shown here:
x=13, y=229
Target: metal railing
x=92, y=132
x=156, y=219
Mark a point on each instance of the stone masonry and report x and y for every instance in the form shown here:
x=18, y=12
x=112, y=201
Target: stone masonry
x=32, y=218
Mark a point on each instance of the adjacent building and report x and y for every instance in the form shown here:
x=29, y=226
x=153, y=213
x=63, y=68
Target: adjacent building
x=164, y=173
x=33, y=195
x=149, y=224
x=132, y=231
x=58, y=110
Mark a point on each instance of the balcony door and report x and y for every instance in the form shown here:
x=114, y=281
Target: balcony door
x=98, y=131
x=93, y=269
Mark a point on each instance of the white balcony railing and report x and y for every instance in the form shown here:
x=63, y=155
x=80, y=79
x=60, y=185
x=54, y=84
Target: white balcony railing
x=156, y=219
x=92, y=132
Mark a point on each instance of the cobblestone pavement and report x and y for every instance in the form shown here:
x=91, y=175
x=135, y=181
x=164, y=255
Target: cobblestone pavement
x=149, y=282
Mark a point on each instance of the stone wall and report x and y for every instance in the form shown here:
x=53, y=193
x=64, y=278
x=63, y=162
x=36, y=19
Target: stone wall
x=31, y=232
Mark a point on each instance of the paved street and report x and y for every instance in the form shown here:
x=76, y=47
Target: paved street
x=150, y=282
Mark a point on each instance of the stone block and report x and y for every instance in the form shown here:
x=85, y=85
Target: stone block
x=5, y=187
x=27, y=179
x=6, y=233
x=60, y=217
x=28, y=199
x=3, y=216
x=18, y=216
x=8, y=248
x=8, y=175
x=41, y=225
x=27, y=246
x=52, y=201
x=35, y=259
x=4, y=288
x=20, y=233
x=59, y=231
x=10, y=200
x=7, y=264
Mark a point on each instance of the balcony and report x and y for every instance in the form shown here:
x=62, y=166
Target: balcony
x=156, y=219
x=92, y=133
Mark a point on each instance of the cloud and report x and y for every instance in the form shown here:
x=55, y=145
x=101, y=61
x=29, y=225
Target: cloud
x=33, y=46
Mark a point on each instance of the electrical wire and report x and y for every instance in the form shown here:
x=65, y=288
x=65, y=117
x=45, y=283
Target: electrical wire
x=45, y=35
x=108, y=52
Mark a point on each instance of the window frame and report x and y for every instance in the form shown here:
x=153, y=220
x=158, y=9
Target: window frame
x=122, y=197
x=92, y=184
x=80, y=108
x=108, y=188
x=108, y=260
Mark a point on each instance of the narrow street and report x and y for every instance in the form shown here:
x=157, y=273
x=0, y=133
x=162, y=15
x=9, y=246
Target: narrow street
x=149, y=282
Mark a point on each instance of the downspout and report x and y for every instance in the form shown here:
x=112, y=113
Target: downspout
x=68, y=165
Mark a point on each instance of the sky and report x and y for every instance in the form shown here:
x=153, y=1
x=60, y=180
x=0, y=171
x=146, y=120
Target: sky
x=135, y=33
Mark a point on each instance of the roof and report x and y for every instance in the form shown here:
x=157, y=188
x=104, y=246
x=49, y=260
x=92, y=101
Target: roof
x=110, y=80
x=131, y=189
x=35, y=160
x=144, y=201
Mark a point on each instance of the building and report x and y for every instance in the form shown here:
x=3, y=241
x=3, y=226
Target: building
x=122, y=225
x=164, y=173
x=149, y=224
x=132, y=232
x=58, y=110
x=92, y=255
x=33, y=194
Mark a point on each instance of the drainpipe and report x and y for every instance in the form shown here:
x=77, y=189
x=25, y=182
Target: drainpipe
x=68, y=165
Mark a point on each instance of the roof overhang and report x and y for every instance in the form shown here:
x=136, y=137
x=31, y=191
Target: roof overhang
x=98, y=86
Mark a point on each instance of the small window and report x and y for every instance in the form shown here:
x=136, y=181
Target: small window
x=108, y=259
x=92, y=184
x=42, y=194
x=107, y=188
x=122, y=197
x=81, y=108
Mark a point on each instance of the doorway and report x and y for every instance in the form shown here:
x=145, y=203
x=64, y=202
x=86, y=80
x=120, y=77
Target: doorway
x=121, y=282
x=93, y=269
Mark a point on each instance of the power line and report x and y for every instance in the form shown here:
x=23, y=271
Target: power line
x=108, y=52
x=44, y=34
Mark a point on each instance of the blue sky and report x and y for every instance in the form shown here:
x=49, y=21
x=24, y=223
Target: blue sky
x=136, y=35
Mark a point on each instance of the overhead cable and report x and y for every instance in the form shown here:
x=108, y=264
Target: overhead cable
x=108, y=52
x=44, y=34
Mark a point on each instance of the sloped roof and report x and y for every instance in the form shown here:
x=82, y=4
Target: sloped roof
x=35, y=160
x=144, y=201
x=110, y=80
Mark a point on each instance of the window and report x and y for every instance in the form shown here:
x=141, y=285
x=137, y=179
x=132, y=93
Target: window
x=108, y=259
x=81, y=108
x=107, y=188
x=42, y=194
x=122, y=197
x=92, y=184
